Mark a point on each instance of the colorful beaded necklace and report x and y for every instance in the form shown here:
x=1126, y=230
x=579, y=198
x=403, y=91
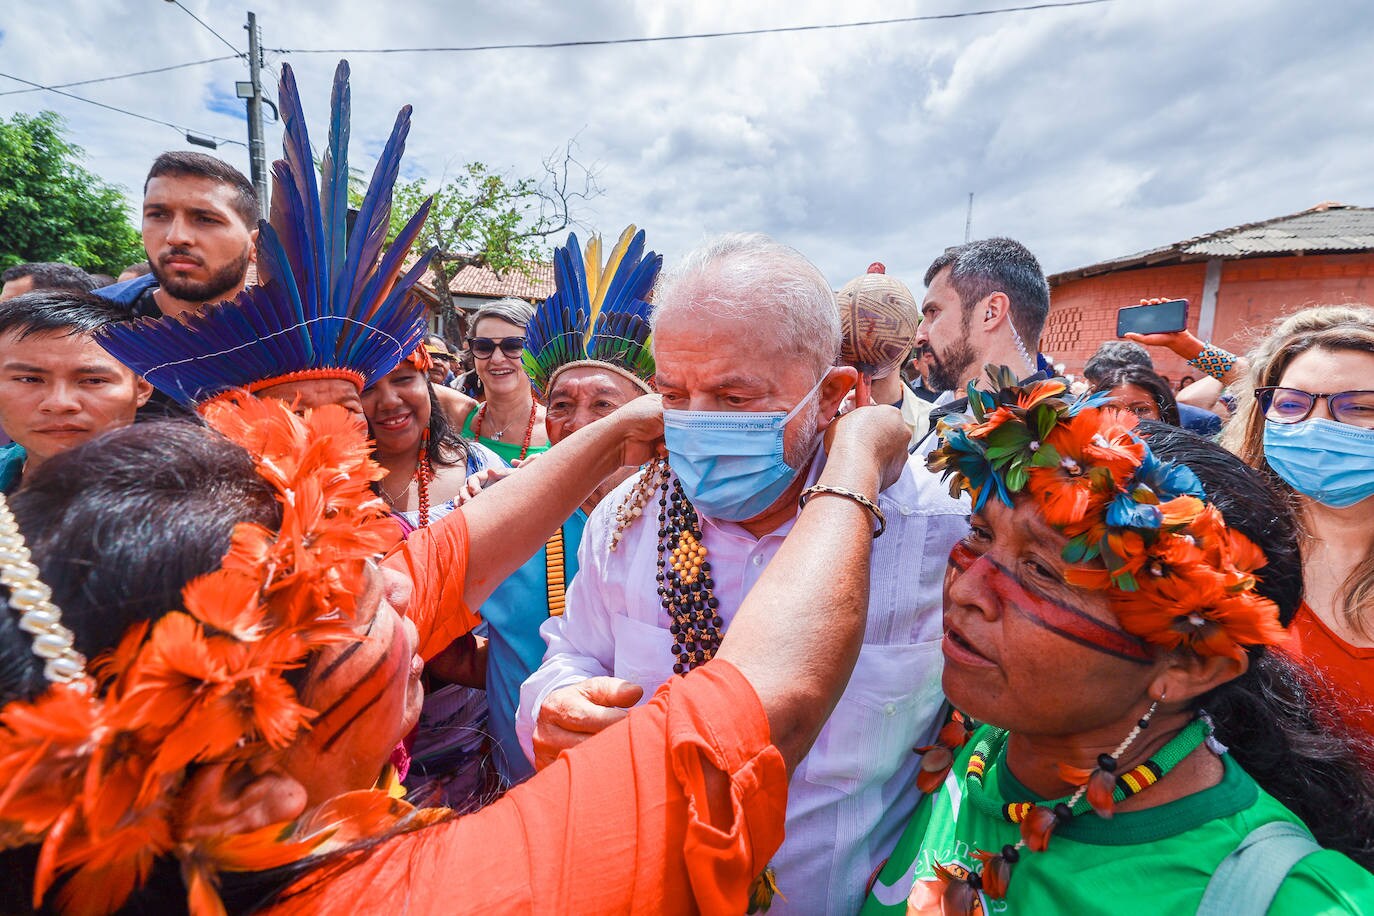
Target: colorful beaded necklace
x=496, y=437
x=1098, y=790
x=685, y=587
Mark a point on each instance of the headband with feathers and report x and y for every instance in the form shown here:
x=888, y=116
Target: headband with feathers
x=597, y=316
x=329, y=303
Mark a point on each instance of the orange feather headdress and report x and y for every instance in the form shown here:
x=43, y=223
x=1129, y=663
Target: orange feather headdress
x=95, y=765
x=1139, y=527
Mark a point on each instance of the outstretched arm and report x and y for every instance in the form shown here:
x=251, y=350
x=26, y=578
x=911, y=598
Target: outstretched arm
x=515, y=517
x=797, y=634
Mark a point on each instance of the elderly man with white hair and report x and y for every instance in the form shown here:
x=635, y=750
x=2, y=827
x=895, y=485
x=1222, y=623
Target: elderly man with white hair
x=746, y=337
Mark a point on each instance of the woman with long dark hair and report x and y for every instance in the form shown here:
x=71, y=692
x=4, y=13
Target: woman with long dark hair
x=1143, y=392
x=1108, y=620
x=427, y=462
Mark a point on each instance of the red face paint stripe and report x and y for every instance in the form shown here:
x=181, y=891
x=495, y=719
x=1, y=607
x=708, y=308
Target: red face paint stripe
x=1040, y=609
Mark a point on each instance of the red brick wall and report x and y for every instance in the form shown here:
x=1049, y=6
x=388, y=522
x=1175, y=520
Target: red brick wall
x=1252, y=294
x=1083, y=312
x=1256, y=291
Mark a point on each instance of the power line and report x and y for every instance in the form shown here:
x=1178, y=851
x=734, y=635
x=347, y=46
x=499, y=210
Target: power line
x=123, y=76
x=123, y=111
x=237, y=52
x=696, y=35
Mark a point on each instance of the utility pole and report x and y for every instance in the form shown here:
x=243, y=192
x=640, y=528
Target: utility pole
x=257, y=153
x=968, y=220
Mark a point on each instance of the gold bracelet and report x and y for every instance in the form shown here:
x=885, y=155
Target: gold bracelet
x=859, y=498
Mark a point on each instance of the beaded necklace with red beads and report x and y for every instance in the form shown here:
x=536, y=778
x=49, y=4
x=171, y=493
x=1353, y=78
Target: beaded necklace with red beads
x=529, y=428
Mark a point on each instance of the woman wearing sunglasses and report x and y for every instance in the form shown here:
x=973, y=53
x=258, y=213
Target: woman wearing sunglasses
x=1310, y=427
x=511, y=422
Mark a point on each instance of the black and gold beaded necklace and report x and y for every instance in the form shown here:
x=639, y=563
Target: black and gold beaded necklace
x=685, y=587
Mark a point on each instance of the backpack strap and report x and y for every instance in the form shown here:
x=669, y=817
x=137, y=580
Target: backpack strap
x=1247, y=880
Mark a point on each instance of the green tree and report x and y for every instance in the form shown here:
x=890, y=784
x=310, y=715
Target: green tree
x=52, y=208
x=486, y=219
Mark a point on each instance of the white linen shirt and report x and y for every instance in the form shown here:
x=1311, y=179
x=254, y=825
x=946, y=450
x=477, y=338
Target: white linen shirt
x=854, y=793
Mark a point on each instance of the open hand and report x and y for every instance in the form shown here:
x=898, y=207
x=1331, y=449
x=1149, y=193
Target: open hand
x=571, y=715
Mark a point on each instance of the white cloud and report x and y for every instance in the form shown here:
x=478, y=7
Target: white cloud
x=1087, y=133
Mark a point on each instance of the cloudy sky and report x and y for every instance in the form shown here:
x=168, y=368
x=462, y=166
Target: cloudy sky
x=1086, y=132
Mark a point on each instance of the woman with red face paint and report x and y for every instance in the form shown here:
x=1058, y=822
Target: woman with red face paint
x=1122, y=729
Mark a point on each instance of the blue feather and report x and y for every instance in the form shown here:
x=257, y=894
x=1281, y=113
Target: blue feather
x=374, y=216
x=334, y=185
x=324, y=300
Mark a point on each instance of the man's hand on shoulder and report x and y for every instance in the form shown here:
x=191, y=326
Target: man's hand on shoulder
x=571, y=715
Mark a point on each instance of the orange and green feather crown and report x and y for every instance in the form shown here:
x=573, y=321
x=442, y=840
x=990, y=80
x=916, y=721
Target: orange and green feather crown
x=1138, y=526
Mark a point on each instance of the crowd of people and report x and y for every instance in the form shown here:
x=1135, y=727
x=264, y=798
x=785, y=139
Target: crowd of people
x=696, y=587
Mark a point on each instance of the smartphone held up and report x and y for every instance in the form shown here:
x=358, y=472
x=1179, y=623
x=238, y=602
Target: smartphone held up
x=1159, y=318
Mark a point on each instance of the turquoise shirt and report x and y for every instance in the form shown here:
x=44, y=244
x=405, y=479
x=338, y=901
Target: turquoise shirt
x=513, y=614
x=12, y=458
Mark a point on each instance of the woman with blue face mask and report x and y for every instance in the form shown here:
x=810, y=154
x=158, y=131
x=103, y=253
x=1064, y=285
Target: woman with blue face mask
x=1310, y=426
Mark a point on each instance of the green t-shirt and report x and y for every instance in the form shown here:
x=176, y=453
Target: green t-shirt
x=508, y=451
x=1140, y=863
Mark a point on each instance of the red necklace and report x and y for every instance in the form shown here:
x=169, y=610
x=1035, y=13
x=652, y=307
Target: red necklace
x=423, y=473
x=529, y=427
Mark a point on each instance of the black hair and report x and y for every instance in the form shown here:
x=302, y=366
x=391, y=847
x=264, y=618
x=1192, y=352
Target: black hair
x=51, y=275
x=198, y=165
x=1269, y=717
x=120, y=524
x=446, y=444
x=998, y=265
x=1152, y=383
x=141, y=269
x=1113, y=355
x=117, y=527
x=47, y=310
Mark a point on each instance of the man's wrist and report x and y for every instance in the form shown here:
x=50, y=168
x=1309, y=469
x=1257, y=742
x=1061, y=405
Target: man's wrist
x=855, y=469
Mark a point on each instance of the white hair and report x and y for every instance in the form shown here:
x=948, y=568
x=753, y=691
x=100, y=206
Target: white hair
x=750, y=276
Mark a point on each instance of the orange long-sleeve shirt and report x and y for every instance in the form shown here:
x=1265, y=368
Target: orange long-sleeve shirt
x=616, y=825
x=435, y=558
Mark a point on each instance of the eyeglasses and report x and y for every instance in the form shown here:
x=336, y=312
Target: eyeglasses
x=484, y=347
x=1293, y=405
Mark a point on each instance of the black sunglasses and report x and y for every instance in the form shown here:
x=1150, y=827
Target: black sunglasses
x=484, y=347
x=1293, y=405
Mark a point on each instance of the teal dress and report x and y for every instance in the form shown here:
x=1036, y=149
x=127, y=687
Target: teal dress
x=12, y=458
x=513, y=615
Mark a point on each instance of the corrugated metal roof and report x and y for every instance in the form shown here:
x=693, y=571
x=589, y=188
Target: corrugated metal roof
x=536, y=283
x=1327, y=227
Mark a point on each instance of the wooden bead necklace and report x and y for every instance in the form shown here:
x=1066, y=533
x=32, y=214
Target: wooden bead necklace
x=651, y=478
x=685, y=587
x=496, y=437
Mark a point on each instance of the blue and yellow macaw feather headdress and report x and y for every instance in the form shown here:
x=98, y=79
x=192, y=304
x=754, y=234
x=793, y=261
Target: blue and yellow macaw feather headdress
x=328, y=303
x=597, y=316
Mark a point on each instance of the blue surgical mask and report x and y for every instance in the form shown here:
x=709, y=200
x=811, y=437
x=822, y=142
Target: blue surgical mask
x=1330, y=462
x=730, y=464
